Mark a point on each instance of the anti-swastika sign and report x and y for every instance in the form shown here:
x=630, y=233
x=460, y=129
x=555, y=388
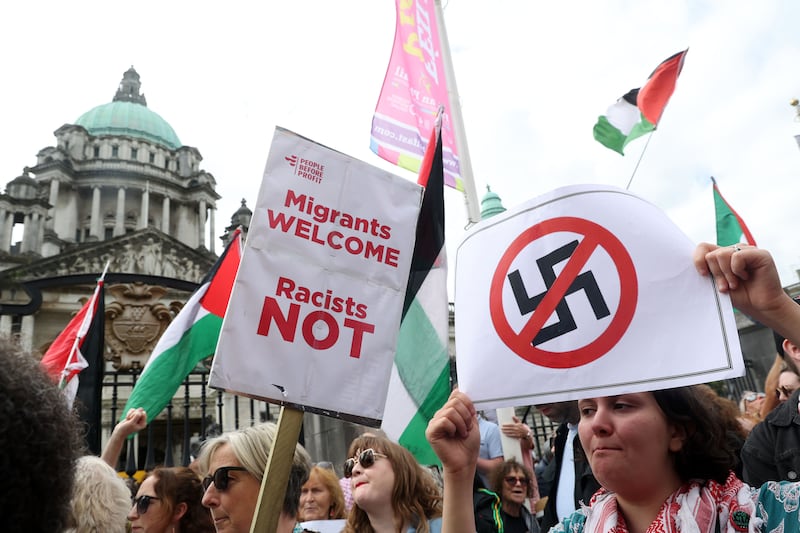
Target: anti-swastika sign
x=573, y=278
x=585, y=291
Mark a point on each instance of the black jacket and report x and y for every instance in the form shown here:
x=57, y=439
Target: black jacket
x=585, y=483
x=487, y=513
x=772, y=450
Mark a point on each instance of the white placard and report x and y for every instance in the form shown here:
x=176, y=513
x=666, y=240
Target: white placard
x=315, y=310
x=586, y=291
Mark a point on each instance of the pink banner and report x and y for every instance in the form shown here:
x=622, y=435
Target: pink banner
x=413, y=90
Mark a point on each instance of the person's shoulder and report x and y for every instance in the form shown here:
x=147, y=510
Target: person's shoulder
x=778, y=504
x=435, y=525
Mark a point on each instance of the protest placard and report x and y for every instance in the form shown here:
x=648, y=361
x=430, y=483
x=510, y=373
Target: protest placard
x=585, y=291
x=315, y=310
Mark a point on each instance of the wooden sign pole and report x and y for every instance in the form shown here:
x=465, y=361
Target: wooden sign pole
x=276, y=475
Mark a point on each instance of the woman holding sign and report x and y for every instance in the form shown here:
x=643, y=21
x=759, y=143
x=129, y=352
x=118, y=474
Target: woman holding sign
x=662, y=457
x=391, y=491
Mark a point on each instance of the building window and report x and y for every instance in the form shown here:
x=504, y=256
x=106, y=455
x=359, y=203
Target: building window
x=97, y=151
x=115, y=151
x=109, y=233
x=134, y=153
x=152, y=157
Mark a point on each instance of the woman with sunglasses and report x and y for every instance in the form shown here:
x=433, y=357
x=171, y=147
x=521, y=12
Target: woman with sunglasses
x=503, y=507
x=169, y=501
x=234, y=464
x=392, y=493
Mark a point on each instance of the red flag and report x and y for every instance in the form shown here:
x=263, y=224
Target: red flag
x=65, y=358
x=655, y=94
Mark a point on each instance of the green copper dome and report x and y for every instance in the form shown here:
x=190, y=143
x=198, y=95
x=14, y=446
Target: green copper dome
x=128, y=115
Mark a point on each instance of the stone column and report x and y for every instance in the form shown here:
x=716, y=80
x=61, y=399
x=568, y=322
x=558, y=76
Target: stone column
x=38, y=233
x=5, y=325
x=27, y=234
x=26, y=333
x=165, y=215
x=119, y=219
x=8, y=228
x=212, y=238
x=145, y=215
x=201, y=223
x=54, y=183
x=95, y=223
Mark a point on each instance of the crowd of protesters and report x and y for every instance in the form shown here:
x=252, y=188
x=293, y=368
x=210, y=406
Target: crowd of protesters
x=667, y=460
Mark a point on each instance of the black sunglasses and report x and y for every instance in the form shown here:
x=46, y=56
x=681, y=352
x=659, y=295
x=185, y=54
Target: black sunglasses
x=220, y=478
x=366, y=459
x=142, y=503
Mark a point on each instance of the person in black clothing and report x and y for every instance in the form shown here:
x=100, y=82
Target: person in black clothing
x=585, y=485
x=502, y=509
x=772, y=449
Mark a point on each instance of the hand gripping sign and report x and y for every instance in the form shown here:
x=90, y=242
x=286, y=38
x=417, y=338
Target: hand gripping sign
x=588, y=290
x=315, y=310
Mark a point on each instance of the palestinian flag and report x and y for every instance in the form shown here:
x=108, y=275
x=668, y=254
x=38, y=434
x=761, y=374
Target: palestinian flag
x=420, y=379
x=80, y=342
x=191, y=336
x=639, y=111
x=730, y=226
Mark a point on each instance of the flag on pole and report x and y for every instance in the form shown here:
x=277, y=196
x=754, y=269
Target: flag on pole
x=730, y=226
x=420, y=379
x=82, y=339
x=638, y=111
x=414, y=87
x=191, y=336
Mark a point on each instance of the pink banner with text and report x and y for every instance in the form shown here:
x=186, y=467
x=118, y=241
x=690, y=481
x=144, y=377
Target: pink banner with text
x=413, y=89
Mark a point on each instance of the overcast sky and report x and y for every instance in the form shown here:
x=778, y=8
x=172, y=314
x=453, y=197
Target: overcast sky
x=532, y=76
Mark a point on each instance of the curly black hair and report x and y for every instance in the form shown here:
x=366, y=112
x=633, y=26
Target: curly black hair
x=707, y=452
x=41, y=440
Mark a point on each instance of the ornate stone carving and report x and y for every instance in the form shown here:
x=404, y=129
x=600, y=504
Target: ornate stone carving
x=134, y=322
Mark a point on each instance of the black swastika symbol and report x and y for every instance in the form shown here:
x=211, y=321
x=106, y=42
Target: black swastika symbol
x=583, y=282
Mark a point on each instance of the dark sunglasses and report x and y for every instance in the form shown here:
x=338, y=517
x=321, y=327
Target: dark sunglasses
x=513, y=480
x=221, y=478
x=366, y=459
x=142, y=503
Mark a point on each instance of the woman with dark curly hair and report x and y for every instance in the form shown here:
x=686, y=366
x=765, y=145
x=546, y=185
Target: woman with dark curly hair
x=40, y=441
x=392, y=493
x=502, y=509
x=665, y=458
x=169, y=501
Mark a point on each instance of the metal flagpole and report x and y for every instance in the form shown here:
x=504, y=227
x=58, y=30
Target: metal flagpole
x=465, y=165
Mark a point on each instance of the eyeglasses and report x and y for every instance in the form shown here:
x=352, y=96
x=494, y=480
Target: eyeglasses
x=221, y=478
x=142, y=503
x=366, y=459
x=513, y=480
x=752, y=396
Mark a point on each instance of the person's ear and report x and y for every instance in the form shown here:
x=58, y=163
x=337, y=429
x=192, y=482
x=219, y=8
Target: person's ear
x=677, y=438
x=792, y=351
x=179, y=511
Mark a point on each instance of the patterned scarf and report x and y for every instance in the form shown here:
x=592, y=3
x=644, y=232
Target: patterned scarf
x=697, y=507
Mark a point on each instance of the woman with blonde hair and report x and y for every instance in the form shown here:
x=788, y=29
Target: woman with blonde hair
x=100, y=498
x=321, y=497
x=392, y=492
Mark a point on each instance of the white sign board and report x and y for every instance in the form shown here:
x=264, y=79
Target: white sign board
x=315, y=310
x=586, y=291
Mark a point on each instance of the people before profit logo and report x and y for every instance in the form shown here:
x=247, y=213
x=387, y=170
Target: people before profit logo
x=292, y=159
x=310, y=170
